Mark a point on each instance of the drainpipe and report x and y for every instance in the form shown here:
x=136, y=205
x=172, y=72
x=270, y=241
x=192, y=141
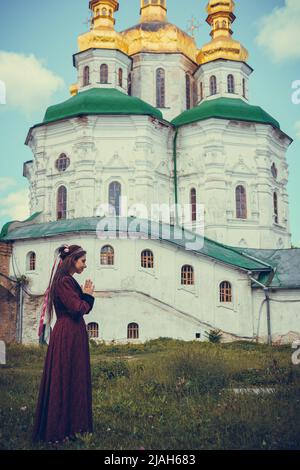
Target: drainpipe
x=266, y=291
x=267, y=296
x=175, y=175
x=21, y=313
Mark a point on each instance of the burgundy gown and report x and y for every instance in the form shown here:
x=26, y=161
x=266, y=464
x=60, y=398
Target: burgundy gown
x=64, y=404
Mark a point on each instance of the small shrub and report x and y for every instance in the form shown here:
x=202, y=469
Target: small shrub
x=214, y=336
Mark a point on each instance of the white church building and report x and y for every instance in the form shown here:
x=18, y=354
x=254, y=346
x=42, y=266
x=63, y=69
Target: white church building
x=174, y=184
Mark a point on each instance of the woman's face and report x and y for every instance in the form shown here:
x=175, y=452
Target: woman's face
x=80, y=264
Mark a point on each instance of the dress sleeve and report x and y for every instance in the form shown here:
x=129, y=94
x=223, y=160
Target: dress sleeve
x=76, y=304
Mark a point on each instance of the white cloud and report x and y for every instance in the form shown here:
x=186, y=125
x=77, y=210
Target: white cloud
x=279, y=32
x=15, y=206
x=29, y=84
x=6, y=182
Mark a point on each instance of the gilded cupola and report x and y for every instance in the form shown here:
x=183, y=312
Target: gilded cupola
x=102, y=33
x=155, y=34
x=222, y=46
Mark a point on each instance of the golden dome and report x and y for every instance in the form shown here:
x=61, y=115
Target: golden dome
x=102, y=34
x=155, y=34
x=74, y=89
x=222, y=46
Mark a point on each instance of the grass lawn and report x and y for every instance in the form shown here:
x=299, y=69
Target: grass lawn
x=167, y=394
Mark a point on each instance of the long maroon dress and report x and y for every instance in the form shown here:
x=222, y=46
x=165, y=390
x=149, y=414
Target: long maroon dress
x=64, y=404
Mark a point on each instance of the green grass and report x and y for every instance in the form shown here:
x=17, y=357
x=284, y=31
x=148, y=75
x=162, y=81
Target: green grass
x=166, y=394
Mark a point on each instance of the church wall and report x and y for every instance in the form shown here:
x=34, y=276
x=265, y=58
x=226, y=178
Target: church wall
x=94, y=58
x=139, y=292
x=131, y=150
x=284, y=313
x=176, y=66
x=221, y=69
x=215, y=156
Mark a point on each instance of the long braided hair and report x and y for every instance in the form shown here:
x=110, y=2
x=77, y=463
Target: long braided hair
x=68, y=257
x=65, y=261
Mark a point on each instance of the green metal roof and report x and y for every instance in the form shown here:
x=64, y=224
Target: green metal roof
x=107, y=101
x=153, y=230
x=225, y=108
x=13, y=223
x=286, y=262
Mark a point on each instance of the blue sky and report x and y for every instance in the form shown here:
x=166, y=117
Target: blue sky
x=37, y=40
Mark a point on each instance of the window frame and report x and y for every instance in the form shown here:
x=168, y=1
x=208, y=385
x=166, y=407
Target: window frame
x=242, y=203
x=213, y=86
x=109, y=256
x=135, y=327
x=97, y=330
x=160, y=87
x=64, y=202
x=104, y=74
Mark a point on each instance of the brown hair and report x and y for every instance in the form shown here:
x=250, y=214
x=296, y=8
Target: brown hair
x=68, y=259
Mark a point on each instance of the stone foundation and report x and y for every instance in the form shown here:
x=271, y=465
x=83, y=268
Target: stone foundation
x=9, y=296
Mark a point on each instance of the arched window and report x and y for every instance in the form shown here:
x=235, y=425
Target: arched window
x=86, y=76
x=224, y=24
x=225, y=292
x=195, y=94
x=103, y=73
x=188, y=91
x=274, y=171
x=201, y=91
x=129, y=85
x=275, y=206
x=230, y=84
x=107, y=255
x=120, y=76
x=244, y=88
x=133, y=331
x=147, y=259
x=31, y=261
x=62, y=162
x=160, y=88
x=104, y=11
x=193, y=202
x=114, y=197
x=187, y=275
x=61, y=203
x=93, y=330
x=213, y=85
x=241, y=202
x=217, y=25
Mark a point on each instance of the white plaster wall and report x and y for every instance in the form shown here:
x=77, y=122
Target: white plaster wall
x=176, y=67
x=217, y=155
x=127, y=293
x=132, y=150
x=221, y=69
x=284, y=313
x=94, y=58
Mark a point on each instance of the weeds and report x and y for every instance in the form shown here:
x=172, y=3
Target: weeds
x=173, y=395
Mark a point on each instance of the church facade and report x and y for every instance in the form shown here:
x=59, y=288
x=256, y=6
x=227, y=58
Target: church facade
x=176, y=186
